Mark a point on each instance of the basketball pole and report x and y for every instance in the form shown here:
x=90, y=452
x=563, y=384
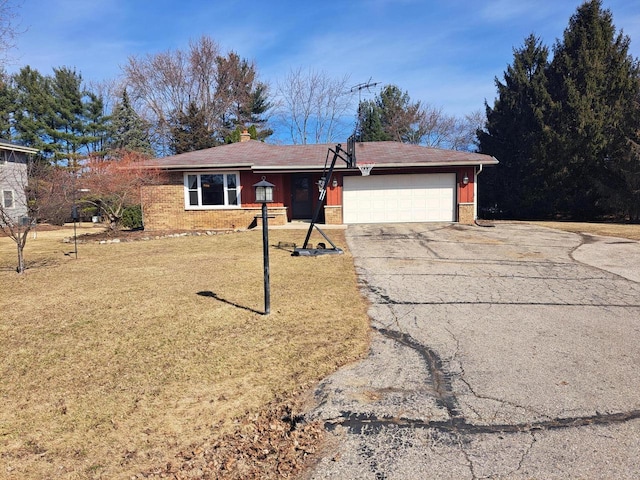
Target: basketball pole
x=349, y=159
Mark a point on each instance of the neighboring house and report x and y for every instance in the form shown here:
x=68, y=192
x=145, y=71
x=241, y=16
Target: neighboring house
x=213, y=188
x=13, y=178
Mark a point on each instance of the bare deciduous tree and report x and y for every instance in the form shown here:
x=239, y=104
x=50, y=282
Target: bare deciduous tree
x=18, y=208
x=439, y=130
x=159, y=85
x=113, y=184
x=465, y=132
x=163, y=84
x=313, y=106
x=203, y=55
x=108, y=90
x=434, y=127
x=8, y=28
x=224, y=88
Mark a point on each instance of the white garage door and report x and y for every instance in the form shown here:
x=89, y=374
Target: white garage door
x=399, y=198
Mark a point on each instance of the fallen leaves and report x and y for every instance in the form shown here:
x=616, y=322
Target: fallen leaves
x=273, y=444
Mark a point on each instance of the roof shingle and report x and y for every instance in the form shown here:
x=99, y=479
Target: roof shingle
x=259, y=156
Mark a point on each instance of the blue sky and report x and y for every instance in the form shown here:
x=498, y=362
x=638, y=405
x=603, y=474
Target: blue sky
x=443, y=52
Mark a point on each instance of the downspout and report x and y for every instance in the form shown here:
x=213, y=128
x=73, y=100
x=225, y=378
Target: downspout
x=475, y=195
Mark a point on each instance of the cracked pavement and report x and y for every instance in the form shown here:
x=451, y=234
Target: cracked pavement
x=503, y=352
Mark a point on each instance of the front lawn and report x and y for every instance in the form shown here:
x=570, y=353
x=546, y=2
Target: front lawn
x=138, y=355
x=622, y=230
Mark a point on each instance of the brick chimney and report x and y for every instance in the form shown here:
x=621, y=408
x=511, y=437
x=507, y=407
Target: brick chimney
x=245, y=136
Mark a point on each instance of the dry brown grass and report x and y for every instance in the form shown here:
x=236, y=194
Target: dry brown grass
x=114, y=363
x=620, y=230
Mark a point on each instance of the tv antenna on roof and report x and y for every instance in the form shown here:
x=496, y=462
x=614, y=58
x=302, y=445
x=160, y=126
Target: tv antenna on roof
x=364, y=85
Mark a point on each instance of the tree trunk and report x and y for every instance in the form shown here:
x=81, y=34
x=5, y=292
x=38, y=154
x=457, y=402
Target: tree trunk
x=21, y=267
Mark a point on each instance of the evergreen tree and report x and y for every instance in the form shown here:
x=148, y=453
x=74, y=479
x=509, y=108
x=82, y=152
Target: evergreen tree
x=517, y=135
x=7, y=101
x=623, y=192
x=96, y=124
x=629, y=169
x=594, y=82
x=565, y=133
x=399, y=115
x=190, y=131
x=236, y=135
x=66, y=126
x=33, y=110
x=240, y=98
x=390, y=116
x=128, y=130
x=369, y=128
x=56, y=116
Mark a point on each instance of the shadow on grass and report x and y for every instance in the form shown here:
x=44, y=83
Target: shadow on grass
x=208, y=293
x=30, y=265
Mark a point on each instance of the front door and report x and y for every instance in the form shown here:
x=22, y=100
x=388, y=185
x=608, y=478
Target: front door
x=301, y=199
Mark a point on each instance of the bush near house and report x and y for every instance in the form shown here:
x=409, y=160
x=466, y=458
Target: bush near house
x=132, y=217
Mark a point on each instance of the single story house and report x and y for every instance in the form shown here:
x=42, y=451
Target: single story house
x=13, y=179
x=213, y=188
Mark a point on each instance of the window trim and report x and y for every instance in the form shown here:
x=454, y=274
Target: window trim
x=13, y=199
x=198, y=189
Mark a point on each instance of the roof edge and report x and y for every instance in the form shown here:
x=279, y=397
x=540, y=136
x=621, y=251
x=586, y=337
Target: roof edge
x=493, y=161
x=18, y=148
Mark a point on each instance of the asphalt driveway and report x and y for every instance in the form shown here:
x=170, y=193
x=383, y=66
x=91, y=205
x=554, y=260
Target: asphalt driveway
x=504, y=352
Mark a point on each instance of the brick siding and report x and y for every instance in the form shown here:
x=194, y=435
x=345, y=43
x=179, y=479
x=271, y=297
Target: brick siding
x=163, y=209
x=333, y=214
x=466, y=213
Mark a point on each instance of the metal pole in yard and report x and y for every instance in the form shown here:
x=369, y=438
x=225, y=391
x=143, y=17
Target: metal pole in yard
x=74, y=213
x=265, y=250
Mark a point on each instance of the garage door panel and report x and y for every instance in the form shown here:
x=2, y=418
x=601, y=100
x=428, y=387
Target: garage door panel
x=399, y=198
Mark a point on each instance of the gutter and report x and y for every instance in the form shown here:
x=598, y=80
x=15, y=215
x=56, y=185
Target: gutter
x=276, y=168
x=18, y=148
x=435, y=164
x=475, y=196
x=379, y=165
x=228, y=166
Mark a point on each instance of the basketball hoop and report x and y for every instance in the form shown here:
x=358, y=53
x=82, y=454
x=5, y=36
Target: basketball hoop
x=365, y=168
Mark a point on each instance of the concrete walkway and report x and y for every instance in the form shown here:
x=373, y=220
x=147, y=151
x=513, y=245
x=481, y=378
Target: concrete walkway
x=504, y=352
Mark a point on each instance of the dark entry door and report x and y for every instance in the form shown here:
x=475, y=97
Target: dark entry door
x=301, y=199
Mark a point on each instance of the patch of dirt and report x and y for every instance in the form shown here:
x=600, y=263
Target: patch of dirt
x=135, y=235
x=273, y=444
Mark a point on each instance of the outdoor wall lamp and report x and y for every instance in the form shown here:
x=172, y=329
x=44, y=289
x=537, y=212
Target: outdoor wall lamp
x=264, y=195
x=465, y=179
x=334, y=182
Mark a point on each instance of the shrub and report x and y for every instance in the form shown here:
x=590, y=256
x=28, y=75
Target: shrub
x=132, y=217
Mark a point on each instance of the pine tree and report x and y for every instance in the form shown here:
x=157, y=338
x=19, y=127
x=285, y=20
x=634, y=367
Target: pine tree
x=190, y=131
x=7, y=101
x=66, y=126
x=390, y=116
x=594, y=84
x=517, y=135
x=369, y=128
x=96, y=124
x=128, y=130
x=236, y=135
x=33, y=110
x=240, y=98
x=627, y=197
